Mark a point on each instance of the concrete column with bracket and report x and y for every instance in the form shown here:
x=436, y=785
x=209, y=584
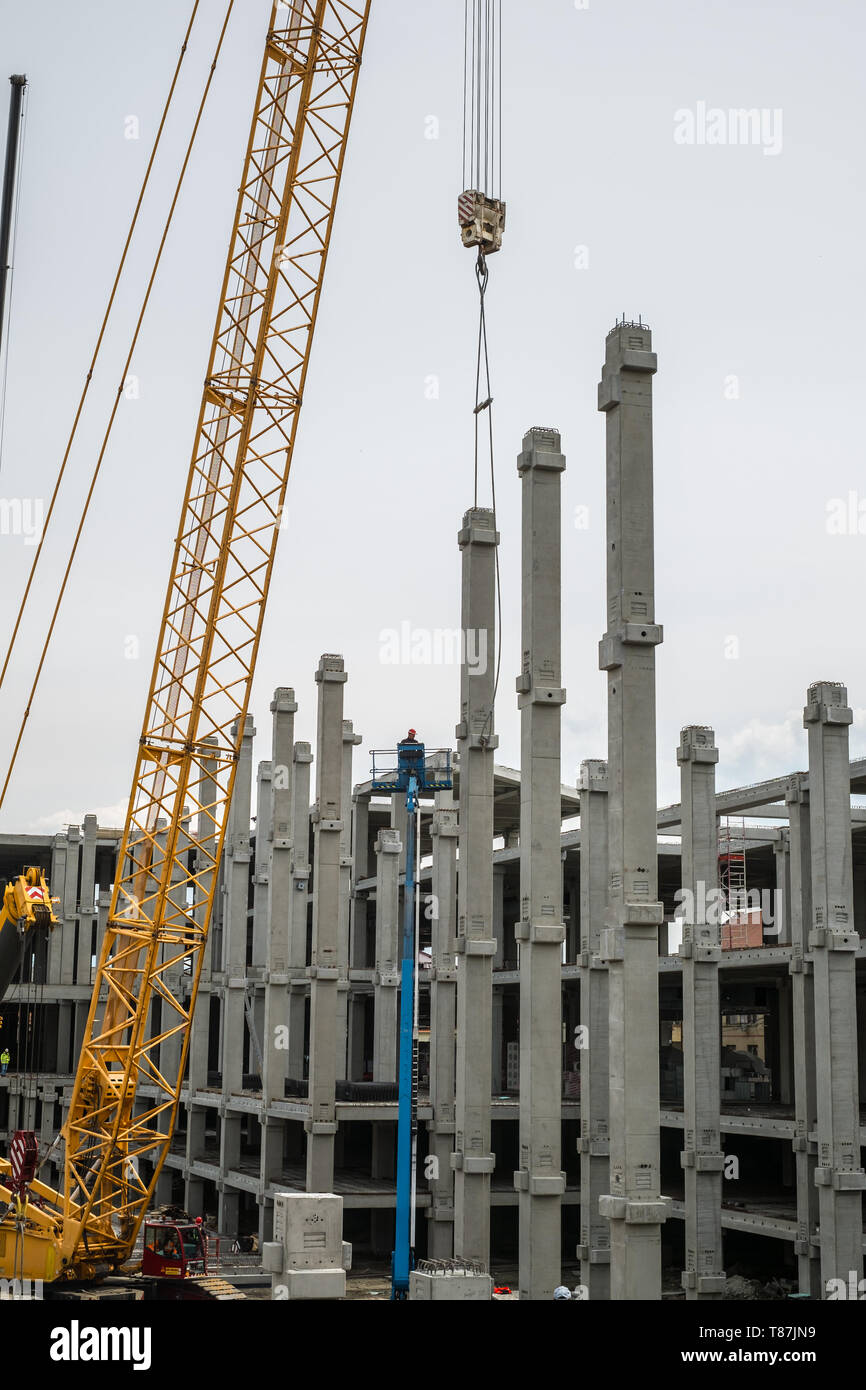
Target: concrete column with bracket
x=472, y=1159
x=592, y=1038
x=700, y=951
x=539, y=1180
x=634, y=1205
x=834, y=942
x=321, y=1126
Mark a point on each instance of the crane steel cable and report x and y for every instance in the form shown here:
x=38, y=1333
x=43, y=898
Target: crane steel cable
x=96, y=350
x=482, y=160
x=109, y=426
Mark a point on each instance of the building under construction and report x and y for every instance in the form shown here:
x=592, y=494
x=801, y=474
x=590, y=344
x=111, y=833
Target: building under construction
x=625, y=1041
x=741, y=1039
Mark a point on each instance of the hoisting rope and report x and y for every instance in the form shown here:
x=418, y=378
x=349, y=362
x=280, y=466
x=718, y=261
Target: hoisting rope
x=482, y=165
x=123, y=376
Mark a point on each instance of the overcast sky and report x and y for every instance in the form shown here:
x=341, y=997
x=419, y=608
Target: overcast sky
x=625, y=194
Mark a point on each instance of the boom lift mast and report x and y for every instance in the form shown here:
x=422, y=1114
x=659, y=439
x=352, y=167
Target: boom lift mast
x=200, y=686
x=413, y=776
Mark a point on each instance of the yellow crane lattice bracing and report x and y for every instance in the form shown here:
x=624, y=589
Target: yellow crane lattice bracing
x=200, y=686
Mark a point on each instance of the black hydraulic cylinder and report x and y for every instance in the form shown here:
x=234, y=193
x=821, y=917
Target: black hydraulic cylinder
x=13, y=140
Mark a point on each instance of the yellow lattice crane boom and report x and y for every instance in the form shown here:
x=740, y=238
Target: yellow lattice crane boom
x=211, y=626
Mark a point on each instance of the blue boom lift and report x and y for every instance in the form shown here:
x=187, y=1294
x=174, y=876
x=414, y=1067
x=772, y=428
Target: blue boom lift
x=412, y=776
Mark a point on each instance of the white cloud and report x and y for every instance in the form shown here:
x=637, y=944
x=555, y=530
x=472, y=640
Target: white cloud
x=109, y=817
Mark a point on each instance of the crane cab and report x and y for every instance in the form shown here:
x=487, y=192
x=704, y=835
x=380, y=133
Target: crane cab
x=174, y=1249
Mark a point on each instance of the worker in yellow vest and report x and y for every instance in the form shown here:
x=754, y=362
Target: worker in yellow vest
x=5, y=1059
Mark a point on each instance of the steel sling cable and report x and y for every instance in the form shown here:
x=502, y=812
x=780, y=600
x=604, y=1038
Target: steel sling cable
x=485, y=108
x=100, y=336
x=98, y=465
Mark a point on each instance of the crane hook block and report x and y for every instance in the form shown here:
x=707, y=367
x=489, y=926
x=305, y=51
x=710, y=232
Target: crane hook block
x=482, y=220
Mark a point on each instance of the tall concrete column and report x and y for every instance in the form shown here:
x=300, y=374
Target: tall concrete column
x=592, y=1039
x=86, y=908
x=261, y=866
x=360, y=870
x=387, y=977
x=57, y=883
x=350, y=742
x=443, y=1005
x=472, y=1159
x=275, y=1051
x=834, y=942
x=171, y=1022
x=539, y=1179
x=700, y=952
x=321, y=1126
x=627, y=652
x=302, y=758
x=68, y=906
x=499, y=917
x=779, y=930
x=356, y=1066
x=806, y=1246
x=199, y=1043
x=236, y=879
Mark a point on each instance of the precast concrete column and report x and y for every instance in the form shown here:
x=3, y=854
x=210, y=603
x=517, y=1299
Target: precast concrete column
x=806, y=1246
x=387, y=977
x=539, y=1180
x=350, y=742
x=443, y=1015
x=834, y=942
x=236, y=880
x=399, y=822
x=171, y=1020
x=57, y=881
x=627, y=652
x=499, y=916
x=68, y=906
x=321, y=1126
x=275, y=1050
x=592, y=1037
x=358, y=935
x=779, y=930
x=199, y=1043
x=360, y=870
x=700, y=951
x=302, y=759
x=472, y=1159
x=261, y=865
x=86, y=908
